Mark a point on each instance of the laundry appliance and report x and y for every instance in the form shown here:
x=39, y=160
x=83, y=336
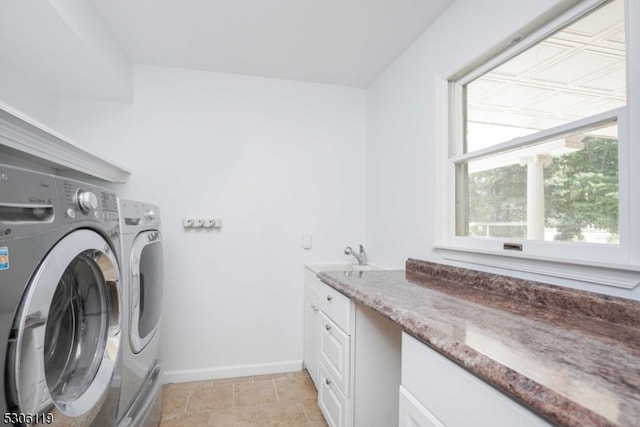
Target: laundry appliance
x=60, y=281
x=143, y=272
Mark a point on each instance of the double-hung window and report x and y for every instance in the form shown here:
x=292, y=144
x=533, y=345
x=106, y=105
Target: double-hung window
x=544, y=145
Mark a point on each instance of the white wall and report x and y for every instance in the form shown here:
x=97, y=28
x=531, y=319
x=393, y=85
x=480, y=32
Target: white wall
x=64, y=46
x=401, y=110
x=274, y=159
x=26, y=95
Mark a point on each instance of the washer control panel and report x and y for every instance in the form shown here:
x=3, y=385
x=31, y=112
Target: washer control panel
x=80, y=200
x=86, y=200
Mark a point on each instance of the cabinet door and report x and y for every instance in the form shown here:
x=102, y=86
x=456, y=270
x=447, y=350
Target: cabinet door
x=311, y=333
x=333, y=404
x=456, y=396
x=413, y=414
x=335, y=352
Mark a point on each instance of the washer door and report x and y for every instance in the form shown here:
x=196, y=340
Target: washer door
x=146, y=288
x=67, y=331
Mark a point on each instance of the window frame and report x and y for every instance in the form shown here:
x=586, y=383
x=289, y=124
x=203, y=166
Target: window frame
x=613, y=265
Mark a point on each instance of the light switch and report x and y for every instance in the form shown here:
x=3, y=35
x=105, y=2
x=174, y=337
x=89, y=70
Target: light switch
x=197, y=223
x=306, y=241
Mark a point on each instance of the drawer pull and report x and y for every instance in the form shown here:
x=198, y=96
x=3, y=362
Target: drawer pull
x=329, y=298
x=327, y=326
x=327, y=381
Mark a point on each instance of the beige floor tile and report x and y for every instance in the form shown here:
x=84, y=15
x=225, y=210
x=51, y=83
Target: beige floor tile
x=312, y=410
x=285, y=414
x=300, y=388
x=174, y=400
x=181, y=420
x=210, y=398
x=272, y=415
x=236, y=380
x=302, y=373
x=222, y=418
x=255, y=393
x=322, y=423
x=274, y=400
x=283, y=375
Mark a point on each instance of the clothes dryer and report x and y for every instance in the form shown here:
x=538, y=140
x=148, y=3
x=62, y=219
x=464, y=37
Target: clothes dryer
x=143, y=272
x=59, y=300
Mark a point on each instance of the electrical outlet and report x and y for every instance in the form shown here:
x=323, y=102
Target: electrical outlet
x=187, y=222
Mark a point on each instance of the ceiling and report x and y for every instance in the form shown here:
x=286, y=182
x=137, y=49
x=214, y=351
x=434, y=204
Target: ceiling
x=337, y=42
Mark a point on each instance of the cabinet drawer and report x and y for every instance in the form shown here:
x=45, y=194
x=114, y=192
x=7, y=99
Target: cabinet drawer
x=331, y=401
x=311, y=294
x=413, y=414
x=454, y=395
x=335, y=349
x=311, y=281
x=336, y=306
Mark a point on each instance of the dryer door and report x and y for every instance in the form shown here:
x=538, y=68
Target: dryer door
x=146, y=288
x=67, y=332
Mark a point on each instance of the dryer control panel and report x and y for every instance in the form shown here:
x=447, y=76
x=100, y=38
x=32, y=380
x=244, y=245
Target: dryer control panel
x=137, y=216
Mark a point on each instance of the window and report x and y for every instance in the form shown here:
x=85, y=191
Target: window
x=540, y=144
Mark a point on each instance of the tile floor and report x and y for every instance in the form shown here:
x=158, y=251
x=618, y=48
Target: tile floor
x=288, y=399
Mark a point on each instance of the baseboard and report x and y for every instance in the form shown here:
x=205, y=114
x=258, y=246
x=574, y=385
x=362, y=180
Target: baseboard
x=187, y=375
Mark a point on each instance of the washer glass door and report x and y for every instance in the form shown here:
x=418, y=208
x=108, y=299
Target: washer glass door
x=68, y=331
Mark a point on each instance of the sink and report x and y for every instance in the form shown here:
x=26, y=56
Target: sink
x=319, y=268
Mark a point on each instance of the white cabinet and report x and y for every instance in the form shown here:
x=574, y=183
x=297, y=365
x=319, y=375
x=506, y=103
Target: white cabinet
x=413, y=414
x=335, y=353
x=311, y=329
x=353, y=357
x=335, y=407
x=451, y=396
x=336, y=306
x=377, y=345
x=335, y=349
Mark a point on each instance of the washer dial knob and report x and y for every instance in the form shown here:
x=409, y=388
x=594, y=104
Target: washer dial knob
x=150, y=214
x=86, y=200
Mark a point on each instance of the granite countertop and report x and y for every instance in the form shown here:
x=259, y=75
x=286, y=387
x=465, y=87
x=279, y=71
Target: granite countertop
x=571, y=356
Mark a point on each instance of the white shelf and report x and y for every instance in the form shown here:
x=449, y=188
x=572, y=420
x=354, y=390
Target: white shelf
x=25, y=137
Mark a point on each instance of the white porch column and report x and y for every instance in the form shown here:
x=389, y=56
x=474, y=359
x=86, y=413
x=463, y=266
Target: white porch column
x=535, y=194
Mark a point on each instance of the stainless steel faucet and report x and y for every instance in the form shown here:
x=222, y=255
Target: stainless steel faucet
x=361, y=257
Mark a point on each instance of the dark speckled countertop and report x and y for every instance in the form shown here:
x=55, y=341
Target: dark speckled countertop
x=572, y=356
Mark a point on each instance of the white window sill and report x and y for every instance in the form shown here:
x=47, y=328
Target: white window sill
x=616, y=275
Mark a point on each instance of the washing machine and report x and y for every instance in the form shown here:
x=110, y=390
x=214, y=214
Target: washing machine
x=60, y=291
x=143, y=272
